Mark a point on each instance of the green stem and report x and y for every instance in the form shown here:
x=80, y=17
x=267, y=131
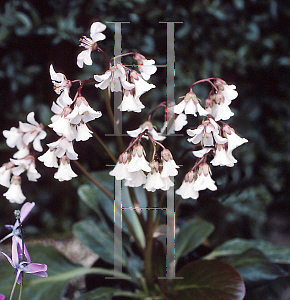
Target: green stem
x=159, y=211
x=21, y=287
x=111, y=197
x=149, y=243
x=103, y=144
x=113, y=121
x=136, y=204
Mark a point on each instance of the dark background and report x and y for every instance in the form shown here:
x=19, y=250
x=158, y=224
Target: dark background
x=246, y=43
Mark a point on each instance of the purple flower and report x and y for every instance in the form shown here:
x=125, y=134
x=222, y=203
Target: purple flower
x=16, y=231
x=2, y=297
x=24, y=266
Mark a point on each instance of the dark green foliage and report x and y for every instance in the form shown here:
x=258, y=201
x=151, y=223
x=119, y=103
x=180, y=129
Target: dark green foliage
x=246, y=43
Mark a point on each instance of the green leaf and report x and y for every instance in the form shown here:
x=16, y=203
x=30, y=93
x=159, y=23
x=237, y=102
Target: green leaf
x=254, y=266
x=100, y=240
x=95, y=199
x=158, y=259
x=274, y=253
x=88, y=195
x=191, y=235
x=208, y=279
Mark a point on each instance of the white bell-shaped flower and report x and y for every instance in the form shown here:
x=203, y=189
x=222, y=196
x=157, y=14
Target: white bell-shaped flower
x=5, y=174
x=204, y=180
x=151, y=130
x=138, y=161
x=129, y=103
x=233, y=139
x=169, y=167
x=49, y=158
x=186, y=189
x=207, y=133
x=120, y=170
x=223, y=157
x=65, y=171
x=138, y=178
x=82, y=112
x=190, y=105
x=146, y=67
x=14, y=193
x=154, y=180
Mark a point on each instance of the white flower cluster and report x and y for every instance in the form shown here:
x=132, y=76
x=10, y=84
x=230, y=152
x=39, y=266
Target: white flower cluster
x=213, y=138
x=68, y=123
x=136, y=170
x=119, y=78
x=21, y=138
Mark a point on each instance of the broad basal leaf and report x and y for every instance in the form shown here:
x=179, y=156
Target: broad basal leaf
x=100, y=240
x=255, y=267
x=274, y=253
x=208, y=279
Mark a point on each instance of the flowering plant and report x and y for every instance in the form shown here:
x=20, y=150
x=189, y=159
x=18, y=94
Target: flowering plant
x=147, y=265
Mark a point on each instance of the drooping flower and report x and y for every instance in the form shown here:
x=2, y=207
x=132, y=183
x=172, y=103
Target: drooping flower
x=138, y=178
x=63, y=146
x=170, y=127
x=5, y=174
x=83, y=133
x=169, y=167
x=62, y=125
x=24, y=266
x=207, y=133
x=115, y=77
x=13, y=137
x=154, y=180
x=82, y=112
x=190, y=105
x=120, y=171
x=26, y=164
x=138, y=161
x=186, y=189
x=14, y=193
x=146, y=67
x=234, y=140
x=61, y=86
x=149, y=127
x=33, y=131
x=90, y=44
x=220, y=110
x=22, y=152
x=129, y=103
x=229, y=91
x=49, y=158
x=223, y=157
x=204, y=180
x=141, y=86
x=64, y=172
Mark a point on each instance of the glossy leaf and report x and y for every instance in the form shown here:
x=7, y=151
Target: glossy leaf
x=274, y=253
x=100, y=240
x=191, y=235
x=208, y=279
x=254, y=266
